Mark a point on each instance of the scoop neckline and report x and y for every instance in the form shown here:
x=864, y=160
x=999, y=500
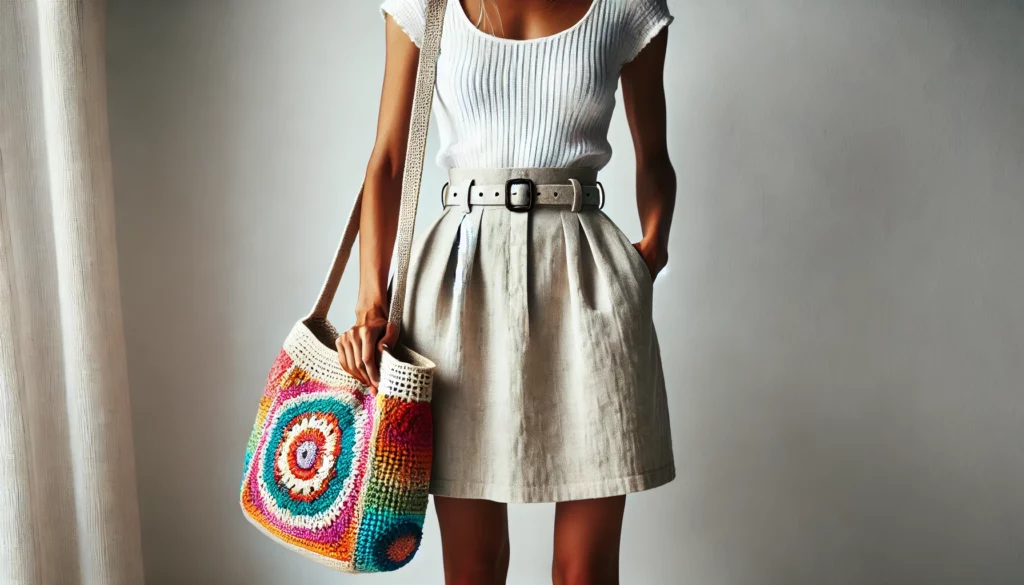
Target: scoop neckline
x=579, y=23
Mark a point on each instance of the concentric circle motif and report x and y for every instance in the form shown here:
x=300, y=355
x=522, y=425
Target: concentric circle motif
x=308, y=455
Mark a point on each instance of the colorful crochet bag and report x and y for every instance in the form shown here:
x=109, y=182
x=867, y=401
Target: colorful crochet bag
x=332, y=471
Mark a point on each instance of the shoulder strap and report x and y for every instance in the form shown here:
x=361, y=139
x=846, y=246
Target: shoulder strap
x=413, y=173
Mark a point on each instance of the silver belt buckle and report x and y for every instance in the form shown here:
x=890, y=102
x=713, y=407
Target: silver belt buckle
x=521, y=188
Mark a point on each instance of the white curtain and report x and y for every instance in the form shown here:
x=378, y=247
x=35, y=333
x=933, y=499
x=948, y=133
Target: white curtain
x=68, y=504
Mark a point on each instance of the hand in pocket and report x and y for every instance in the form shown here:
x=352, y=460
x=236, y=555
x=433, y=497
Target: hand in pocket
x=655, y=257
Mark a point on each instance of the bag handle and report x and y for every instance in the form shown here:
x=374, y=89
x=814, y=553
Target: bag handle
x=412, y=175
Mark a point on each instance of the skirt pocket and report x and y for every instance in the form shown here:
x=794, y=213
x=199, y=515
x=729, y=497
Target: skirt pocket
x=639, y=265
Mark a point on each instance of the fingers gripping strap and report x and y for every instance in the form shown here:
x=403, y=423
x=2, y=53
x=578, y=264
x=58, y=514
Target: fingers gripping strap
x=413, y=173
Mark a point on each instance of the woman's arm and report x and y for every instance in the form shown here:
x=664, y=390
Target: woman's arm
x=358, y=347
x=643, y=94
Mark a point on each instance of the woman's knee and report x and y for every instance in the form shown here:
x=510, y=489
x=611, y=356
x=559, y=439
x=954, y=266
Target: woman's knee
x=477, y=566
x=587, y=534
x=585, y=568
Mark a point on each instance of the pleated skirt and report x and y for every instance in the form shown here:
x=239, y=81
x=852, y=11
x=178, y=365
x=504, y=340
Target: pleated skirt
x=549, y=383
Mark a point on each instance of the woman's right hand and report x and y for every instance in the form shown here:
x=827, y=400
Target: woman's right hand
x=360, y=347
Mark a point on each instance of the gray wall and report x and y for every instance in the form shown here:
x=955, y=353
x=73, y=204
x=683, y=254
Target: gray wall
x=841, y=317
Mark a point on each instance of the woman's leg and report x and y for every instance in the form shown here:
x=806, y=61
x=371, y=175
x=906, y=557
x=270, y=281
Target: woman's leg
x=587, y=536
x=474, y=540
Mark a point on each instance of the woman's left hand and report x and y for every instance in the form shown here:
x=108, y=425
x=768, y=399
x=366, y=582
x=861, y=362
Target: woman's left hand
x=655, y=255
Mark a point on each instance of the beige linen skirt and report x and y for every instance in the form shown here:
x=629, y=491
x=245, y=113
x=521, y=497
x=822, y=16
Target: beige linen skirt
x=549, y=383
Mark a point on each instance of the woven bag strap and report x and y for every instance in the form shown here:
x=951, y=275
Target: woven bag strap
x=413, y=173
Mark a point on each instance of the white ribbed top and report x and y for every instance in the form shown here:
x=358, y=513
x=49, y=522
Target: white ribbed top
x=544, y=102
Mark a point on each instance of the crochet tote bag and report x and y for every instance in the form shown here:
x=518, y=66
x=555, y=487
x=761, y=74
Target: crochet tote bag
x=332, y=471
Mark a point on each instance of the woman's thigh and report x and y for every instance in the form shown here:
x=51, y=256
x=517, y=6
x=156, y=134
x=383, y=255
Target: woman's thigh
x=474, y=540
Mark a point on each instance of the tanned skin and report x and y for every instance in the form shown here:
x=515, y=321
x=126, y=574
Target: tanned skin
x=474, y=533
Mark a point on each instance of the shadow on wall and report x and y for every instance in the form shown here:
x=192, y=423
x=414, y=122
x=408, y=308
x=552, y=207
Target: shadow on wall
x=845, y=255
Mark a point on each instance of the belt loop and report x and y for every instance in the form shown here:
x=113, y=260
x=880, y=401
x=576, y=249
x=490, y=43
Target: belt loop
x=467, y=190
x=577, y=195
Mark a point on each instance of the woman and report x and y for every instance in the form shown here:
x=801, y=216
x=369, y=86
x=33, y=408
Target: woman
x=534, y=305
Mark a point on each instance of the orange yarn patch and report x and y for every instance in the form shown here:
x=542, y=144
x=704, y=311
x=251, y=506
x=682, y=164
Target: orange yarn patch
x=401, y=548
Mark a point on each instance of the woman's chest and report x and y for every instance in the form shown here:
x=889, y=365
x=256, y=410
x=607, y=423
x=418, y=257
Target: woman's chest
x=560, y=76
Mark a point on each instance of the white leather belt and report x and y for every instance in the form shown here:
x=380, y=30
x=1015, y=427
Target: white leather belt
x=521, y=189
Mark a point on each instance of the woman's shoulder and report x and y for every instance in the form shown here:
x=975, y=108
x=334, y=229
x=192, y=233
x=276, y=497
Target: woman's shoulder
x=410, y=15
x=633, y=8
x=638, y=21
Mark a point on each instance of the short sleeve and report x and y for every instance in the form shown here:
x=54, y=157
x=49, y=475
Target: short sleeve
x=644, y=20
x=411, y=15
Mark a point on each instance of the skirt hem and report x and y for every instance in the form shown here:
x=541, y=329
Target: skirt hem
x=526, y=494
